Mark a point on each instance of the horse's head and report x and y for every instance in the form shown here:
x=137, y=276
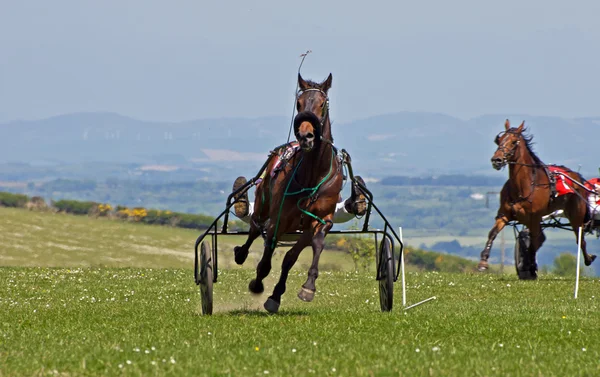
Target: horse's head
x=313, y=111
x=508, y=142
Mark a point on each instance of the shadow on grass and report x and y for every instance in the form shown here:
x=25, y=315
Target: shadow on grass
x=543, y=278
x=262, y=313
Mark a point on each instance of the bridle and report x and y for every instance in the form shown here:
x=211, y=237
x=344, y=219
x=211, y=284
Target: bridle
x=508, y=153
x=324, y=111
x=324, y=108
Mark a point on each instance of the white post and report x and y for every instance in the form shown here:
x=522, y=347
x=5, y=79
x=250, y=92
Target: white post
x=420, y=302
x=502, y=252
x=578, y=261
x=402, y=269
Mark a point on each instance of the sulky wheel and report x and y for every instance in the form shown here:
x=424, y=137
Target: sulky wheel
x=386, y=275
x=205, y=278
x=526, y=268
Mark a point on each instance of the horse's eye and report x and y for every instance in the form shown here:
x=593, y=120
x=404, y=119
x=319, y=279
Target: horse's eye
x=497, y=140
x=298, y=105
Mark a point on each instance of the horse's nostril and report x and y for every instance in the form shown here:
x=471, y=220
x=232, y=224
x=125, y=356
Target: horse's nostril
x=496, y=160
x=309, y=135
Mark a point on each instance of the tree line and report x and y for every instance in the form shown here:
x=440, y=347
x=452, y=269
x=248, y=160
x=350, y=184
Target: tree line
x=135, y=214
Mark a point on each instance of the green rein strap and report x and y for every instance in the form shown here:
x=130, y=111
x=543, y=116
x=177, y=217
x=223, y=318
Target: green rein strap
x=313, y=191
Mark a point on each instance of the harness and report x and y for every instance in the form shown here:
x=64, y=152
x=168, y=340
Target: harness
x=510, y=153
x=313, y=192
x=285, y=152
x=552, y=176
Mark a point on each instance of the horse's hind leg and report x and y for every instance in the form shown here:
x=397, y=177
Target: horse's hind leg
x=307, y=292
x=272, y=304
x=501, y=222
x=587, y=258
x=577, y=221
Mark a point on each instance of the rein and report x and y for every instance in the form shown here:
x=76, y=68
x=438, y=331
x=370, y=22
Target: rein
x=533, y=184
x=313, y=191
x=535, y=168
x=510, y=154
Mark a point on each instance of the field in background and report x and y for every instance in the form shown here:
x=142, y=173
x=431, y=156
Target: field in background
x=44, y=239
x=444, y=214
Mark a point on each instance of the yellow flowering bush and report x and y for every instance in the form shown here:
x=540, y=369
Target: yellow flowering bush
x=104, y=209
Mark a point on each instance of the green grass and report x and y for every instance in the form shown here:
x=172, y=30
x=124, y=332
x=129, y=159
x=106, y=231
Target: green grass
x=144, y=320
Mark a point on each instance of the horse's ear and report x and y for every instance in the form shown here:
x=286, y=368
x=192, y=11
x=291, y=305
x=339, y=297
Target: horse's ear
x=507, y=125
x=520, y=129
x=326, y=85
x=303, y=85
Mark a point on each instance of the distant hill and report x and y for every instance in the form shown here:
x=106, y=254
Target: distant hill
x=404, y=143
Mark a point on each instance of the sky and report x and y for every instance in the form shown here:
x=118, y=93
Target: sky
x=182, y=60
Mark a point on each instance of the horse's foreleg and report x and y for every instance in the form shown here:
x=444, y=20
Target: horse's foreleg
x=257, y=216
x=264, y=265
x=307, y=292
x=272, y=304
x=241, y=252
x=501, y=222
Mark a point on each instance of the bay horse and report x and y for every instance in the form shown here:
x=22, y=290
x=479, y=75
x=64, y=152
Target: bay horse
x=302, y=195
x=527, y=195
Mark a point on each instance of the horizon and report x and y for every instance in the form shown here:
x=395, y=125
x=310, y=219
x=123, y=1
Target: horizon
x=113, y=113
x=176, y=62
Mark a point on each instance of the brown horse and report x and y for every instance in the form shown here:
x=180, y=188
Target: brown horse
x=301, y=196
x=527, y=195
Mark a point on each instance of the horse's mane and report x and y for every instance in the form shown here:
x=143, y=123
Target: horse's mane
x=529, y=144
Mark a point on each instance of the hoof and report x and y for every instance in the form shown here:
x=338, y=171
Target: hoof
x=271, y=306
x=592, y=259
x=483, y=266
x=256, y=287
x=240, y=254
x=527, y=275
x=306, y=294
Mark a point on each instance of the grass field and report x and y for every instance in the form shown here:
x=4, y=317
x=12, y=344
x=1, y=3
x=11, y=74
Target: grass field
x=44, y=239
x=145, y=320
